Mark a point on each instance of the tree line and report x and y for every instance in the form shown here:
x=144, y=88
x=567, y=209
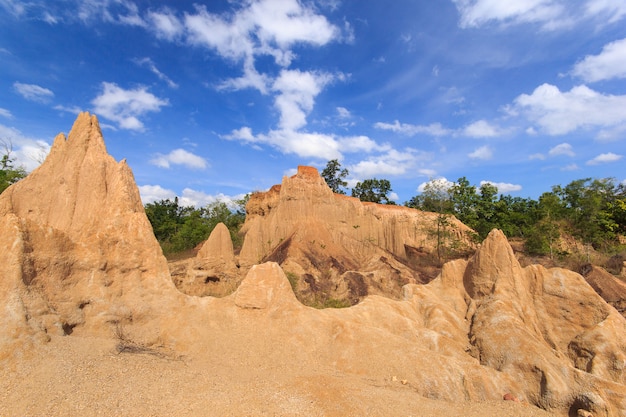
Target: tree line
x=180, y=228
x=592, y=210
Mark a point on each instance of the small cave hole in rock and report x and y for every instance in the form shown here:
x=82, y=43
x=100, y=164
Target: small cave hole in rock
x=68, y=328
x=211, y=279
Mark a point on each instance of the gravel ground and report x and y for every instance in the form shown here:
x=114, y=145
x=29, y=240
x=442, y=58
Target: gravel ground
x=73, y=376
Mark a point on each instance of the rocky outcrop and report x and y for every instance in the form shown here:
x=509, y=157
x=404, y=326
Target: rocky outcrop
x=78, y=251
x=78, y=259
x=213, y=271
x=609, y=287
x=485, y=329
x=337, y=245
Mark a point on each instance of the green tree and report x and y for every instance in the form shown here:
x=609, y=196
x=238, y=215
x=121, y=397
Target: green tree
x=486, y=210
x=166, y=218
x=9, y=173
x=180, y=228
x=436, y=198
x=334, y=176
x=464, y=201
x=542, y=235
x=373, y=190
x=589, y=206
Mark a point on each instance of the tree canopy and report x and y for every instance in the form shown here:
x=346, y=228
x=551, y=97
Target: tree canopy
x=9, y=173
x=179, y=228
x=334, y=176
x=373, y=190
x=593, y=210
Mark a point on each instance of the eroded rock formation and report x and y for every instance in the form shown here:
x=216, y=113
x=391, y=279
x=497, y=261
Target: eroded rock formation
x=78, y=253
x=78, y=259
x=337, y=245
x=213, y=271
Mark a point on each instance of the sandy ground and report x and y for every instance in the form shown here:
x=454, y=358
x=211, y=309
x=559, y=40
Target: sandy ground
x=74, y=375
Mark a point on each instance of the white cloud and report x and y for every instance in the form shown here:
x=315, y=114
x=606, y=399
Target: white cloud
x=610, y=63
x=28, y=152
x=179, y=157
x=562, y=149
x=343, y=113
x=68, y=109
x=440, y=184
x=165, y=24
x=481, y=129
x=189, y=197
x=361, y=143
x=604, y=158
x=196, y=198
x=475, y=13
x=484, y=153
x=5, y=113
x=503, y=187
x=609, y=10
x=152, y=193
x=152, y=67
x=262, y=28
x=558, y=113
x=392, y=162
x=296, y=95
x=570, y=167
x=33, y=92
x=306, y=145
x=433, y=129
x=538, y=156
x=126, y=106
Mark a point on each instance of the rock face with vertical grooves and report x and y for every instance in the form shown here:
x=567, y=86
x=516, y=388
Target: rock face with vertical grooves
x=336, y=244
x=78, y=259
x=79, y=253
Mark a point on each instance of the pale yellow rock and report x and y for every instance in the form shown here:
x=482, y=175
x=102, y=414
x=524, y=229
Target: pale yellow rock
x=78, y=258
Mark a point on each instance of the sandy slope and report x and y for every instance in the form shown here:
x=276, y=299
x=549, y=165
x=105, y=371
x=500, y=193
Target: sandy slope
x=86, y=376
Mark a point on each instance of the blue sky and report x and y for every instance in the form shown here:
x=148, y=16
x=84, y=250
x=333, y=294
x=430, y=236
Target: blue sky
x=214, y=99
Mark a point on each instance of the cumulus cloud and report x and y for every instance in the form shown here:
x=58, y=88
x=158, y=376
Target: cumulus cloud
x=484, y=153
x=165, y=24
x=124, y=107
x=296, y=95
x=179, y=157
x=188, y=198
x=191, y=197
x=604, y=158
x=152, y=193
x=503, y=187
x=33, y=92
x=609, y=64
x=481, y=129
x=261, y=28
x=558, y=113
x=439, y=183
x=392, y=162
x=28, y=152
x=562, y=149
x=433, y=129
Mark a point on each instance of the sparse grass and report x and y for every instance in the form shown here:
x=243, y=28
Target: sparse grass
x=125, y=344
x=293, y=280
